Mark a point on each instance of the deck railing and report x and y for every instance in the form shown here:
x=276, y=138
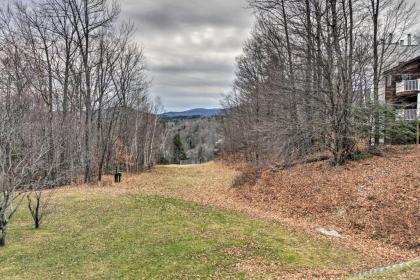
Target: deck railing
x=408, y=114
x=408, y=85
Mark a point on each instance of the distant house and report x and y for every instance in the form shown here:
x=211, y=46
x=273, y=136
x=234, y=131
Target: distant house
x=401, y=89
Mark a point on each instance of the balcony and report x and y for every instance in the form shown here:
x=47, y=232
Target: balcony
x=408, y=114
x=408, y=86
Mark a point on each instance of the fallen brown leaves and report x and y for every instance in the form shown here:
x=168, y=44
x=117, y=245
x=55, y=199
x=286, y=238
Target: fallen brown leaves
x=254, y=268
x=376, y=198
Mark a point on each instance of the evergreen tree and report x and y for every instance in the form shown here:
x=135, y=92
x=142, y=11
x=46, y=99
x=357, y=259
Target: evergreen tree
x=179, y=152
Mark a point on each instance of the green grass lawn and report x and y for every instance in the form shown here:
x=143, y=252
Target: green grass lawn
x=131, y=236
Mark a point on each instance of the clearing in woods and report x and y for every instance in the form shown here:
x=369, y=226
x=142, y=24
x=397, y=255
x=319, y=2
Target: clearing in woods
x=175, y=222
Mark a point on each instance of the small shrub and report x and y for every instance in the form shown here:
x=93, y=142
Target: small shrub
x=403, y=133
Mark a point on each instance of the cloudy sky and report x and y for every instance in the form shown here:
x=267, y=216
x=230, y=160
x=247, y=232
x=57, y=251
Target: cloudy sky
x=190, y=46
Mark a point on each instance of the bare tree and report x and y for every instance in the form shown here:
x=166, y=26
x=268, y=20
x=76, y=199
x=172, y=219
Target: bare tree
x=39, y=201
x=87, y=18
x=307, y=67
x=16, y=168
x=72, y=84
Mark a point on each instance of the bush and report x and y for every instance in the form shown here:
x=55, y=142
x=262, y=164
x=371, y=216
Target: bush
x=391, y=128
x=164, y=161
x=402, y=133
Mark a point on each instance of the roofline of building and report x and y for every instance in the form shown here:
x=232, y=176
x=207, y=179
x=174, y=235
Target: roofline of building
x=403, y=64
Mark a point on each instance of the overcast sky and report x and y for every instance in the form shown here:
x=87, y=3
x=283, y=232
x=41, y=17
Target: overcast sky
x=190, y=47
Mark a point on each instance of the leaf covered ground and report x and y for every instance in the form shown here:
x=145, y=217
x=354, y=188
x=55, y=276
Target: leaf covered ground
x=377, y=198
x=182, y=222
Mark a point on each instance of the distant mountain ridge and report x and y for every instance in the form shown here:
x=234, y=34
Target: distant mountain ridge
x=197, y=112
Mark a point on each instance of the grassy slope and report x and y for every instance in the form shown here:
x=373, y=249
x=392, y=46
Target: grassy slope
x=100, y=234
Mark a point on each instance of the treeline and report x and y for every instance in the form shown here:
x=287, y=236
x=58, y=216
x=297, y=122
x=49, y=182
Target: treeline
x=191, y=140
x=74, y=98
x=309, y=78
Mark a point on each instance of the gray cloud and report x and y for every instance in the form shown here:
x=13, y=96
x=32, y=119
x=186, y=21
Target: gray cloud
x=191, y=46
x=169, y=15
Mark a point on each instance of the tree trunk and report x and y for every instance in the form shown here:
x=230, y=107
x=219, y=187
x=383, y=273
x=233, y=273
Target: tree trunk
x=375, y=15
x=65, y=153
x=88, y=96
x=3, y=232
x=87, y=143
x=37, y=217
x=294, y=115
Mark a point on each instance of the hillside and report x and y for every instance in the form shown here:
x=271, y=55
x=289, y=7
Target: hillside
x=198, y=112
x=375, y=198
x=187, y=221
x=137, y=231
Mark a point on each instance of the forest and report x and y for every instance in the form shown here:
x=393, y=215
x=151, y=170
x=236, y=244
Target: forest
x=191, y=140
x=309, y=79
x=74, y=101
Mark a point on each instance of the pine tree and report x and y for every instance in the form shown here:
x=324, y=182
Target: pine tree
x=179, y=152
